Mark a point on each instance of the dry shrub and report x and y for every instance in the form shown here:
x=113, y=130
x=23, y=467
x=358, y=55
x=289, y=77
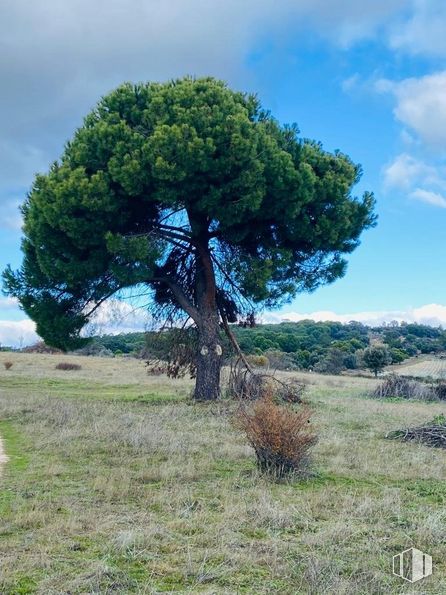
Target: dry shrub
x=248, y=385
x=280, y=437
x=290, y=391
x=440, y=390
x=68, y=366
x=175, y=350
x=8, y=365
x=156, y=370
x=399, y=386
x=432, y=434
x=258, y=361
x=41, y=347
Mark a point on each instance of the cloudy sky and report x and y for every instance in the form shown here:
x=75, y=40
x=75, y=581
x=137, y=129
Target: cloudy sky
x=365, y=77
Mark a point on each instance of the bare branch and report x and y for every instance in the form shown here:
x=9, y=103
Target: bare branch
x=180, y=296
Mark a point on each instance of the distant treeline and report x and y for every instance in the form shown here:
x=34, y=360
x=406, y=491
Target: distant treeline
x=321, y=346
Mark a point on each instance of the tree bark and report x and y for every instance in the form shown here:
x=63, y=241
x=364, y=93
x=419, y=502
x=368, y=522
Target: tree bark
x=209, y=356
x=207, y=386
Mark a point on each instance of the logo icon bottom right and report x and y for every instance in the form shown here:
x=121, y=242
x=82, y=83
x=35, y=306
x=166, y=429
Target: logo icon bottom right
x=412, y=565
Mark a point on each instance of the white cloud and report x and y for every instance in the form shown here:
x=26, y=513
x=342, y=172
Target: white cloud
x=421, y=105
x=430, y=314
x=113, y=317
x=405, y=170
x=421, y=181
x=17, y=333
x=423, y=32
x=8, y=303
x=10, y=216
x=431, y=198
x=117, y=316
x=351, y=83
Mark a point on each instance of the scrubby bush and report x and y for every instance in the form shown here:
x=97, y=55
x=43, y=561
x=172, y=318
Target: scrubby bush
x=95, y=348
x=40, y=347
x=156, y=369
x=68, y=366
x=280, y=436
x=258, y=361
x=440, y=390
x=404, y=388
x=249, y=385
x=8, y=365
x=431, y=434
x=246, y=385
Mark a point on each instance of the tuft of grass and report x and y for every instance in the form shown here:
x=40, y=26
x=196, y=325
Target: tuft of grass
x=68, y=366
x=8, y=365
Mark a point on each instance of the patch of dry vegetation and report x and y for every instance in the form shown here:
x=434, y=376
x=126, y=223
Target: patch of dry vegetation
x=395, y=386
x=108, y=493
x=281, y=437
x=68, y=366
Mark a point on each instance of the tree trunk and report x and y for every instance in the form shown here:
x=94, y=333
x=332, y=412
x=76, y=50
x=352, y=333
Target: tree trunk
x=207, y=386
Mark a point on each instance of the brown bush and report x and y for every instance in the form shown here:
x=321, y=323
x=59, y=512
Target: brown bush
x=68, y=366
x=291, y=391
x=8, y=365
x=258, y=361
x=404, y=388
x=431, y=434
x=249, y=385
x=440, y=390
x=280, y=437
x=41, y=347
x=156, y=370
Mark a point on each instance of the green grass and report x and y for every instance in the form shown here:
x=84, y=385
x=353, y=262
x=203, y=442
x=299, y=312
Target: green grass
x=117, y=486
x=87, y=390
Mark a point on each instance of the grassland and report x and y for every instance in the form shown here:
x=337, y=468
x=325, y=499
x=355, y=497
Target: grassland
x=118, y=483
x=423, y=367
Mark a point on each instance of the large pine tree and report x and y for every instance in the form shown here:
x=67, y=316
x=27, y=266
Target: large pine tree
x=194, y=191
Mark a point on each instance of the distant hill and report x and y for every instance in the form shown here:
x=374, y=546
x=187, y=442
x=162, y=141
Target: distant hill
x=321, y=346
x=327, y=347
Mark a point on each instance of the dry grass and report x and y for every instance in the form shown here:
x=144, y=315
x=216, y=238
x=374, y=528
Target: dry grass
x=67, y=366
x=110, y=492
x=423, y=367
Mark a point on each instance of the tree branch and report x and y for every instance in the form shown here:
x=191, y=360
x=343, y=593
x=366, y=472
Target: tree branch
x=233, y=341
x=182, y=299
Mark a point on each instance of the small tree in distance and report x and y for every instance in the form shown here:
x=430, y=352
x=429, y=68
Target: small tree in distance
x=376, y=358
x=198, y=197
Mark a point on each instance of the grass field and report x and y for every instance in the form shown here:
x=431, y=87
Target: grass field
x=423, y=367
x=118, y=483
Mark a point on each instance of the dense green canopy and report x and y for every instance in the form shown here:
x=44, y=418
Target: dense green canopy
x=159, y=173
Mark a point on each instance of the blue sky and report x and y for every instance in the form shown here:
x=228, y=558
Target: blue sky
x=367, y=78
